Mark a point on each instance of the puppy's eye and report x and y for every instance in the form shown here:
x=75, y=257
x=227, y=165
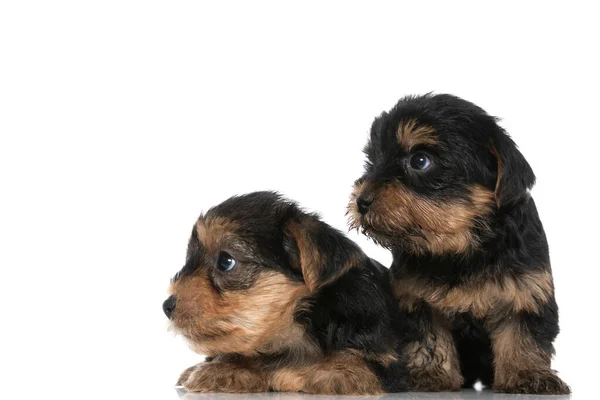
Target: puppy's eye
x=225, y=262
x=419, y=161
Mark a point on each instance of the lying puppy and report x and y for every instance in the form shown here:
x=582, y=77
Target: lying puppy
x=447, y=191
x=281, y=301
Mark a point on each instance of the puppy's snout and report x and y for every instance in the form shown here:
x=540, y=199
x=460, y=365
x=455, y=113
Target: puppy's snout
x=169, y=306
x=363, y=202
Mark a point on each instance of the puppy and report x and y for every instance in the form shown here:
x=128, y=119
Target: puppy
x=447, y=191
x=280, y=301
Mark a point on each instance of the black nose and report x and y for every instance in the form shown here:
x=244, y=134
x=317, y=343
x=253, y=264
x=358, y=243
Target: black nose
x=364, y=202
x=169, y=306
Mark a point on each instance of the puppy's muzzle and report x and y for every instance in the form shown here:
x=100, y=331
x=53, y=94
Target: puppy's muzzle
x=363, y=202
x=169, y=306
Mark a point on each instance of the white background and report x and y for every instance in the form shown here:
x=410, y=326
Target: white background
x=121, y=121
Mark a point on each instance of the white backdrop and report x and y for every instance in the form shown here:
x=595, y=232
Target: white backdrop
x=121, y=121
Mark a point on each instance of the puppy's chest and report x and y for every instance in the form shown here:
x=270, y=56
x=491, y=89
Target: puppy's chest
x=480, y=297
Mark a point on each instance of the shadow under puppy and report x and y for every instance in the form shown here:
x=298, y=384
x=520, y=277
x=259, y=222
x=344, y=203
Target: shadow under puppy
x=280, y=301
x=447, y=191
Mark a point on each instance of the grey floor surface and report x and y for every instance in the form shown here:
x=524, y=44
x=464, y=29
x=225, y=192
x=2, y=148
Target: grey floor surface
x=465, y=394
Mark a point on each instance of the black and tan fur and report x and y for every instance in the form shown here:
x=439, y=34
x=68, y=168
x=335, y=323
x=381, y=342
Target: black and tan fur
x=447, y=191
x=302, y=310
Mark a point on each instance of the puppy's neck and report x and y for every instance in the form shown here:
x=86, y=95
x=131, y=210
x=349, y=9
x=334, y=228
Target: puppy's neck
x=290, y=345
x=511, y=237
x=288, y=340
x=446, y=268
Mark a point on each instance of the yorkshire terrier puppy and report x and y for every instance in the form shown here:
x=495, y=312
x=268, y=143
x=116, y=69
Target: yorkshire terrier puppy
x=280, y=301
x=447, y=191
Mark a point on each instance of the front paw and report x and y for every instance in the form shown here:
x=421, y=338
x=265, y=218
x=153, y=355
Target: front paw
x=428, y=382
x=435, y=380
x=534, y=382
x=186, y=374
x=218, y=377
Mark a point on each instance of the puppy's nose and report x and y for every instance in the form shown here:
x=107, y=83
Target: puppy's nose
x=363, y=203
x=169, y=306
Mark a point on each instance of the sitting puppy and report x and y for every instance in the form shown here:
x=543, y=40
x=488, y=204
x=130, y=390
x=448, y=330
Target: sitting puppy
x=447, y=191
x=280, y=301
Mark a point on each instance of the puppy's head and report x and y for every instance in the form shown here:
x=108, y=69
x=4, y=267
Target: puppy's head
x=437, y=168
x=251, y=261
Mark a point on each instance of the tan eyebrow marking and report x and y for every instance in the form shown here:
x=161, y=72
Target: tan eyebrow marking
x=410, y=134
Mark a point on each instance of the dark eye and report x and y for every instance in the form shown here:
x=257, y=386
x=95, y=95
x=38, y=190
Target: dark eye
x=225, y=262
x=419, y=161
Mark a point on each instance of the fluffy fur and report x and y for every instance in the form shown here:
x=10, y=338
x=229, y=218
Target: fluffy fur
x=303, y=309
x=471, y=259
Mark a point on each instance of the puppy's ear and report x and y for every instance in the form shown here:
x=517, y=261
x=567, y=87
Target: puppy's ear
x=515, y=176
x=193, y=243
x=322, y=253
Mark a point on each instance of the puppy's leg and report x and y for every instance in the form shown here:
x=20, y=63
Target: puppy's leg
x=342, y=373
x=522, y=345
x=231, y=376
x=432, y=361
x=185, y=374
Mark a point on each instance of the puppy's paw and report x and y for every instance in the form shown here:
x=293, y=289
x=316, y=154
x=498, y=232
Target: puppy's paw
x=534, y=382
x=222, y=377
x=435, y=381
x=186, y=374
